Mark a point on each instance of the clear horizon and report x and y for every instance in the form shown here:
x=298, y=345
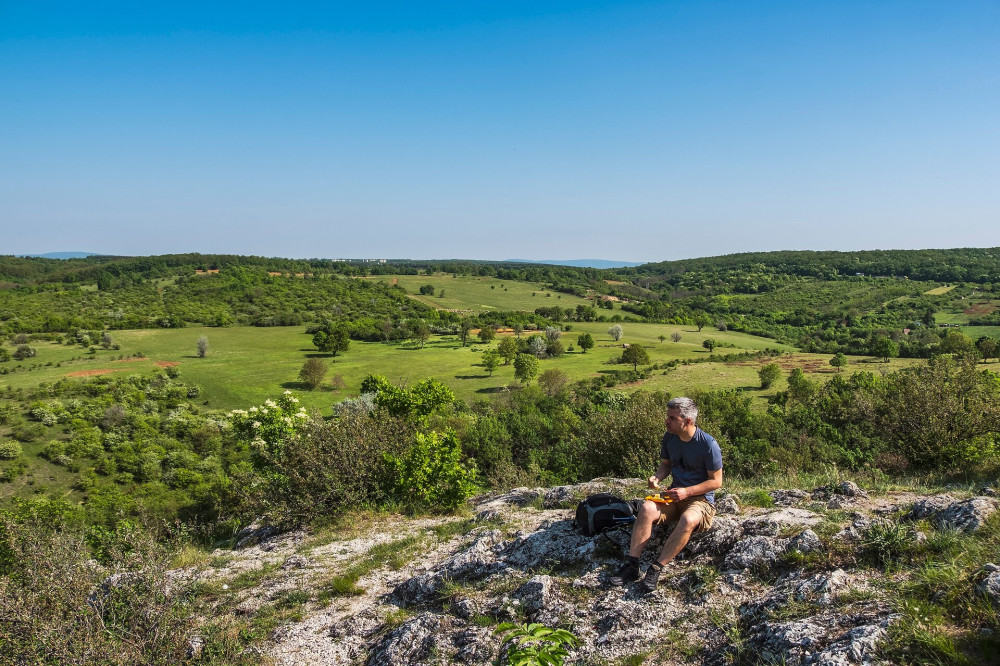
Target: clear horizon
x=646, y=132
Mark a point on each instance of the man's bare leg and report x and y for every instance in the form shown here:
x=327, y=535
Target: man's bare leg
x=678, y=538
x=642, y=528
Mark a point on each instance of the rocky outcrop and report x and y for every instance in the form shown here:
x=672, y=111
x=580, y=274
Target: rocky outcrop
x=762, y=584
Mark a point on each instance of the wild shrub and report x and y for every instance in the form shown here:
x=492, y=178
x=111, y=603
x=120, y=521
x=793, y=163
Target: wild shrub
x=626, y=441
x=431, y=473
x=327, y=468
x=10, y=450
x=58, y=606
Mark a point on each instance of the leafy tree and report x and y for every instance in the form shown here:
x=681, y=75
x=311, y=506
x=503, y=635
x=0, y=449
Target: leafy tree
x=518, y=329
x=24, y=351
x=487, y=334
x=507, y=348
x=333, y=339
x=988, y=347
x=427, y=290
x=429, y=396
x=955, y=342
x=552, y=333
x=884, y=348
x=839, y=361
x=616, y=332
x=421, y=332
x=701, y=320
x=537, y=345
x=800, y=387
x=525, y=367
x=491, y=360
x=553, y=381
x=661, y=338
x=675, y=336
x=554, y=348
x=768, y=375
x=635, y=354
x=313, y=372
x=463, y=330
x=709, y=344
x=586, y=341
x=202, y=346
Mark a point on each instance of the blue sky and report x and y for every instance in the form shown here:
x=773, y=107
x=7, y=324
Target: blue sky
x=638, y=131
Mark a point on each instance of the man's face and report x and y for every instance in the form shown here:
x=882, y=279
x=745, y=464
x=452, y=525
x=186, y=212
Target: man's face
x=675, y=422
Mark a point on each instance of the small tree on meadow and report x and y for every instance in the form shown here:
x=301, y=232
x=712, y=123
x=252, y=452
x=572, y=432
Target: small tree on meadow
x=709, y=344
x=421, y=332
x=839, y=361
x=552, y=333
x=988, y=347
x=885, y=348
x=616, y=332
x=463, y=330
x=525, y=367
x=675, y=336
x=202, y=346
x=661, y=338
x=519, y=328
x=313, y=372
x=702, y=320
x=537, y=345
x=507, y=349
x=636, y=355
x=491, y=360
x=586, y=341
x=769, y=374
x=553, y=381
x=487, y=333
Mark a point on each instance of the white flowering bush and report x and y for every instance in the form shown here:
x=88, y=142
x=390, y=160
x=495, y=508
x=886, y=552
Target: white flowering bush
x=266, y=427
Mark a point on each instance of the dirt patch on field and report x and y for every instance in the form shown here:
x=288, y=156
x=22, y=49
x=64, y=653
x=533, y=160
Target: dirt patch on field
x=92, y=373
x=980, y=309
x=166, y=364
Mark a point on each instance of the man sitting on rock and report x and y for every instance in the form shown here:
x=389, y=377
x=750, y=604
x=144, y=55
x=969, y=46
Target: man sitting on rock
x=694, y=461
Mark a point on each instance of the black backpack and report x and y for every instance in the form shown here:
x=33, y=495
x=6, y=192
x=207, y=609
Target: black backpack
x=603, y=511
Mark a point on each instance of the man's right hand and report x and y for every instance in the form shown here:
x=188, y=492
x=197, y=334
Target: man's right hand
x=653, y=482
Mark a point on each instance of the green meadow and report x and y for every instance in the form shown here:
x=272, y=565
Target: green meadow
x=465, y=292
x=246, y=365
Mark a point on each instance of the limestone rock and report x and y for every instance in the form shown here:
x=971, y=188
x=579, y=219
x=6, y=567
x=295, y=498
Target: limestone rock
x=788, y=497
x=771, y=523
x=806, y=542
x=968, y=515
x=822, y=587
x=554, y=543
x=728, y=505
x=756, y=552
x=989, y=587
x=724, y=533
x=411, y=643
x=929, y=507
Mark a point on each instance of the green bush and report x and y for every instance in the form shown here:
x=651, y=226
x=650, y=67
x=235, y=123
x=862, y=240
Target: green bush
x=10, y=450
x=431, y=474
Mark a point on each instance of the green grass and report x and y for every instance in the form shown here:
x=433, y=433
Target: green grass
x=476, y=293
x=246, y=365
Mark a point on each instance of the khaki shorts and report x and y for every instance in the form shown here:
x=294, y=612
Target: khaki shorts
x=697, y=505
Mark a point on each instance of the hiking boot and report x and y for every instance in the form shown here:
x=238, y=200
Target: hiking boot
x=626, y=574
x=652, y=578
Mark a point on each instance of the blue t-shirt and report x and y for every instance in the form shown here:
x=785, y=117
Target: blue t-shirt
x=690, y=462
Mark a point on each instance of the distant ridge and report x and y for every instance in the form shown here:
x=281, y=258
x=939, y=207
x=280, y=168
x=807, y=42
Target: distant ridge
x=578, y=263
x=62, y=255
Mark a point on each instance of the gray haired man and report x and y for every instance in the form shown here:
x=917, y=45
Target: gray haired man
x=693, y=460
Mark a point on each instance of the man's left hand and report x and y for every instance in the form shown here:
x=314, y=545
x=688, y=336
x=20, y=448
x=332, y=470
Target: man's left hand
x=678, y=494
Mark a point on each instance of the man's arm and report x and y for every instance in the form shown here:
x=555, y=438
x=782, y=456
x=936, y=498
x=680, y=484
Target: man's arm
x=661, y=473
x=714, y=483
